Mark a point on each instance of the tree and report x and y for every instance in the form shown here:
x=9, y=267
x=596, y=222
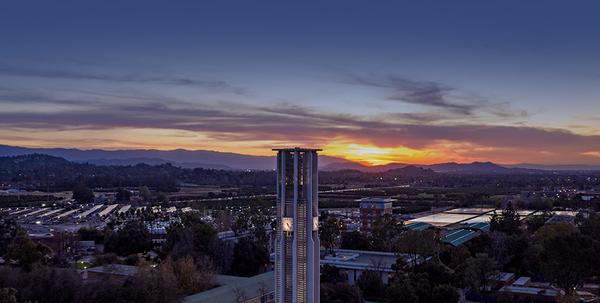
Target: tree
x=83, y=194
x=222, y=254
x=508, y=222
x=26, y=252
x=340, y=293
x=191, y=237
x=458, y=256
x=42, y=284
x=145, y=193
x=106, y=290
x=372, y=286
x=8, y=231
x=589, y=226
x=566, y=260
x=444, y=294
x=437, y=273
x=401, y=291
x=498, y=249
x=123, y=195
x=133, y=238
x=505, y=298
x=550, y=231
x=419, y=244
x=109, y=258
x=8, y=295
x=385, y=232
x=91, y=234
x=248, y=258
x=330, y=232
x=518, y=248
x=330, y=274
x=478, y=270
x=259, y=222
x=538, y=220
x=191, y=277
x=241, y=225
x=162, y=197
x=355, y=240
x=154, y=286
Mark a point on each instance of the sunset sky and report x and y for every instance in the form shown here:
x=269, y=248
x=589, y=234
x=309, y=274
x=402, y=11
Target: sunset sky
x=370, y=81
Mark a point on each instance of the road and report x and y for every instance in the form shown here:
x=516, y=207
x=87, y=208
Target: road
x=273, y=195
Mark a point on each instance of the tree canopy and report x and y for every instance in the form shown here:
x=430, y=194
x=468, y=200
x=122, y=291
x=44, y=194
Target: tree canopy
x=133, y=238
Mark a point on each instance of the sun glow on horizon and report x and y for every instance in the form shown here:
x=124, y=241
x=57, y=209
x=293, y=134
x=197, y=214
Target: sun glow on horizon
x=373, y=155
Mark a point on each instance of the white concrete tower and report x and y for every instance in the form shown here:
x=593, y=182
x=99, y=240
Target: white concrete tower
x=297, y=247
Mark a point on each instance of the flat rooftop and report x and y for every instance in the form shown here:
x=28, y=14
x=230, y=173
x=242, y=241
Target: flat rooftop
x=376, y=200
x=459, y=236
x=419, y=226
x=115, y=269
x=470, y=210
x=443, y=219
x=532, y=291
x=229, y=286
x=363, y=260
x=300, y=149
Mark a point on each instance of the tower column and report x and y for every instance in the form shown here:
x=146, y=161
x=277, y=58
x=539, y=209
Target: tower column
x=297, y=249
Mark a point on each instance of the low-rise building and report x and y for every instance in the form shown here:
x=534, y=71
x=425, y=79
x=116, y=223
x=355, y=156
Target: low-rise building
x=523, y=289
x=353, y=263
x=232, y=289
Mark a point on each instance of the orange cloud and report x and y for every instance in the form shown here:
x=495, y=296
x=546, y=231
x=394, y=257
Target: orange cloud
x=369, y=154
x=592, y=154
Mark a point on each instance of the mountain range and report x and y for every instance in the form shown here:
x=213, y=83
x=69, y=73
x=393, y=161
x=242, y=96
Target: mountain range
x=234, y=161
x=178, y=157
x=451, y=167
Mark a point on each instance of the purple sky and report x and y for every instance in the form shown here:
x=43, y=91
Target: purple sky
x=381, y=82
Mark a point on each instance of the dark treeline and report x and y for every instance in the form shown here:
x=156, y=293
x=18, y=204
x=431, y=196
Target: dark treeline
x=43, y=172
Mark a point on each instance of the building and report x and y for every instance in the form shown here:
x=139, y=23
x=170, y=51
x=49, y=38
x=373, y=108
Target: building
x=373, y=209
x=353, y=263
x=231, y=289
x=523, y=290
x=297, y=247
x=115, y=272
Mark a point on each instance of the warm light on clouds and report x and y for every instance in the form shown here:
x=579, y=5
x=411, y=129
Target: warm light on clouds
x=374, y=155
x=592, y=154
x=265, y=82
x=132, y=138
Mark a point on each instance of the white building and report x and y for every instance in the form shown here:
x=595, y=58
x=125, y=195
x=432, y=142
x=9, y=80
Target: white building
x=297, y=247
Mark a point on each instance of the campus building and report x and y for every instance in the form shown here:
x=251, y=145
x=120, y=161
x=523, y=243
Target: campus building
x=373, y=209
x=297, y=248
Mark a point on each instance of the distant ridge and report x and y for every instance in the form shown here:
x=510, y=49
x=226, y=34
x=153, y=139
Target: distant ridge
x=233, y=161
x=570, y=167
x=451, y=167
x=411, y=170
x=474, y=167
x=464, y=168
x=178, y=157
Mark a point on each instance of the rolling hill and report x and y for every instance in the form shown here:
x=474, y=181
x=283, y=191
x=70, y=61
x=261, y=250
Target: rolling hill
x=234, y=161
x=178, y=157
